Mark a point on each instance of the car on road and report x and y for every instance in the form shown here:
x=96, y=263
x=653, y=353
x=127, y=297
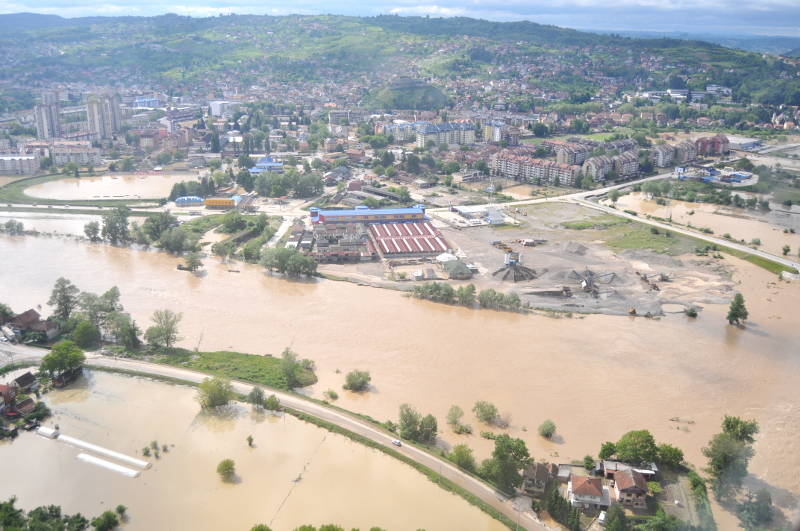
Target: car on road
x=396, y=442
x=3, y=338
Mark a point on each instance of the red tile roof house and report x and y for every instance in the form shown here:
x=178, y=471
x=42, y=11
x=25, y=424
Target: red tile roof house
x=630, y=488
x=7, y=395
x=588, y=493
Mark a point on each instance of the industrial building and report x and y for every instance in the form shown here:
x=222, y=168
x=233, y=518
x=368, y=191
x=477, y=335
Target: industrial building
x=365, y=215
x=408, y=239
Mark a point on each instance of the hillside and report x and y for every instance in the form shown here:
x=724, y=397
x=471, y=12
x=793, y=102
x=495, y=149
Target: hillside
x=420, y=98
x=179, y=52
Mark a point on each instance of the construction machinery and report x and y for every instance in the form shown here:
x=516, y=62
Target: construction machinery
x=589, y=279
x=514, y=271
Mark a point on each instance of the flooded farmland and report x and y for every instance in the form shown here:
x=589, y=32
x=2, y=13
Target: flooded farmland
x=579, y=372
x=109, y=187
x=721, y=219
x=294, y=474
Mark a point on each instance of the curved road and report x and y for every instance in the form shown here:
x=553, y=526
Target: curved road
x=526, y=517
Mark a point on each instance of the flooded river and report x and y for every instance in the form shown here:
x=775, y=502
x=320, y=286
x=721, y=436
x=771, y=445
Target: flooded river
x=109, y=187
x=44, y=222
x=596, y=377
x=294, y=474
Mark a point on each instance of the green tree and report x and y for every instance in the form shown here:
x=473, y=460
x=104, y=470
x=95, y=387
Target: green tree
x=165, y=329
x=588, y=462
x=462, y=457
x=256, y=397
x=755, y=510
x=290, y=368
x=737, y=311
x=613, y=195
x=64, y=298
x=485, y=411
x=356, y=380
x=5, y=311
x=115, y=225
x=786, y=250
x=409, y=422
x=454, y=415
x=272, y=403
x=92, y=230
x=262, y=527
x=215, y=142
x=547, y=428
x=741, y=430
x=193, y=261
x=616, y=520
x=466, y=295
x=637, y=447
x=670, y=456
x=214, y=392
x=124, y=329
x=428, y=429
x=85, y=334
x=226, y=469
x=106, y=521
x=509, y=457
x=156, y=225
x=64, y=356
x=607, y=450
x=587, y=183
x=727, y=464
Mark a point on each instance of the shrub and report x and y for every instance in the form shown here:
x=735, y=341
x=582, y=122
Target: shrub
x=214, y=392
x=330, y=393
x=272, y=403
x=249, y=440
x=547, y=428
x=226, y=469
x=691, y=311
x=120, y=510
x=106, y=521
x=485, y=411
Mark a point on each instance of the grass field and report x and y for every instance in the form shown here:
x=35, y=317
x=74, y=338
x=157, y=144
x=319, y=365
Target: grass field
x=260, y=370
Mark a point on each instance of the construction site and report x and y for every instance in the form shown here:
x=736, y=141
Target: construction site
x=566, y=258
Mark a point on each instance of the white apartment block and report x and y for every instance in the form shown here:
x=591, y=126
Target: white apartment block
x=19, y=164
x=47, y=121
x=81, y=153
x=104, y=117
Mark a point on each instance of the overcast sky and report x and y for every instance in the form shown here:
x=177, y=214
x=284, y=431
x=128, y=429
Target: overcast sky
x=732, y=17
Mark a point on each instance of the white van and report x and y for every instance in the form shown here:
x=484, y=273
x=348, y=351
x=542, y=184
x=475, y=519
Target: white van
x=602, y=517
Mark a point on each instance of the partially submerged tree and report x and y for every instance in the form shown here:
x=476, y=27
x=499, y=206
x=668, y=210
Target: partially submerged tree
x=165, y=331
x=357, y=380
x=226, y=469
x=64, y=356
x=214, y=392
x=485, y=411
x=737, y=311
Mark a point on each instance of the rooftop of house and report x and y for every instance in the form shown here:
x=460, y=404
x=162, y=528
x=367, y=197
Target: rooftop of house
x=586, y=486
x=630, y=480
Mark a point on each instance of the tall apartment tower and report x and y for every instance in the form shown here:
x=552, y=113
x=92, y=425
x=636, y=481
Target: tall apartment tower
x=49, y=98
x=47, y=124
x=104, y=117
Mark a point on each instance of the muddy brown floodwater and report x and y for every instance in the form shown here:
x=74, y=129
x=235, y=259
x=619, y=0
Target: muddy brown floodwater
x=109, y=187
x=595, y=376
x=294, y=474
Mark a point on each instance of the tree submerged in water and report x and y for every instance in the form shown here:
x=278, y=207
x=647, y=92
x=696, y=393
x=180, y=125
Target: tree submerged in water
x=737, y=311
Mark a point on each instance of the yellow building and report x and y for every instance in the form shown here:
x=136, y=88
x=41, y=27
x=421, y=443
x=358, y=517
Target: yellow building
x=220, y=203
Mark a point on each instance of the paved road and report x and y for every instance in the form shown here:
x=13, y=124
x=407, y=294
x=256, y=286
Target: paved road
x=527, y=518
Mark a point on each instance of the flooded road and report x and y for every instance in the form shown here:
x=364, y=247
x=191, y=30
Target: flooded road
x=595, y=376
x=109, y=187
x=294, y=474
x=721, y=219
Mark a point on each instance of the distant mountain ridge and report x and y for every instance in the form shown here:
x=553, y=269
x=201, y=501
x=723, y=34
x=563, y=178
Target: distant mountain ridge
x=32, y=21
x=773, y=44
